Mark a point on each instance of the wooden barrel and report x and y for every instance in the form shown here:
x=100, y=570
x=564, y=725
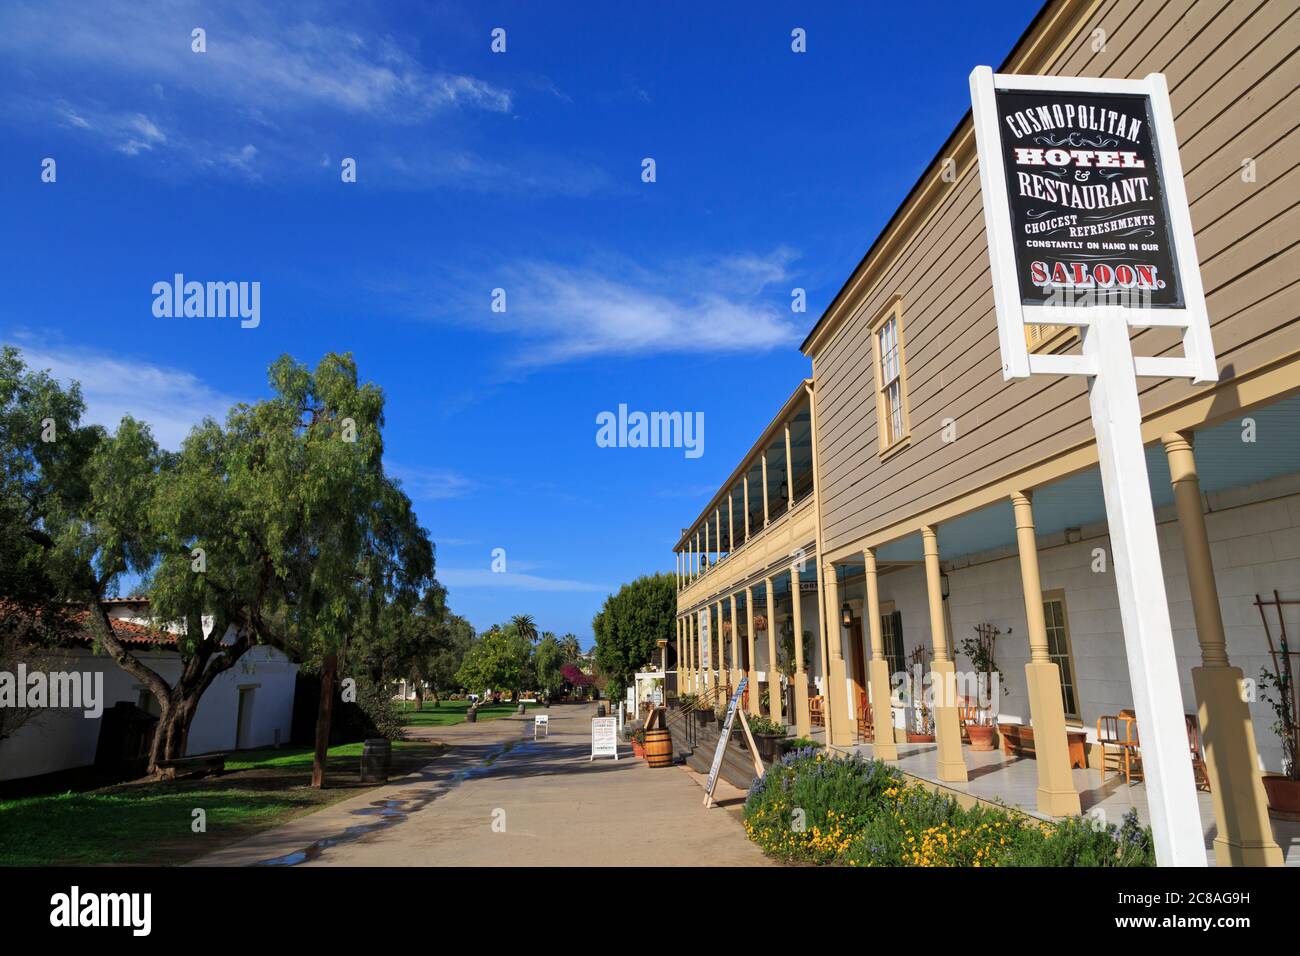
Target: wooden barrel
x=375, y=757
x=659, y=747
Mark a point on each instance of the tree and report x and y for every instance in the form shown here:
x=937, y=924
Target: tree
x=525, y=626
x=570, y=647
x=439, y=669
x=279, y=527
x=631, y=623
x=497, y=660
x=548, y=662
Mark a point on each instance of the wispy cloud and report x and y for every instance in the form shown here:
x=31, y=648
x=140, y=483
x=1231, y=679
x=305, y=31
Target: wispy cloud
x=171, y=400
x=725, y=305
x=256, y=57
x=429, y=484
x=512, y=581
x=268, y=81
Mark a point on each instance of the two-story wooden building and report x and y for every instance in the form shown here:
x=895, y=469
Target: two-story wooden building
x=906, y=494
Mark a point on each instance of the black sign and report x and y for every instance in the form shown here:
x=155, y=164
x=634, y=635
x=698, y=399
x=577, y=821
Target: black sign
x=1088, y=215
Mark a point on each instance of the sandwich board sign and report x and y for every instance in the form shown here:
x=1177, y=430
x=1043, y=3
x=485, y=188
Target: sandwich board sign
x=721, y=749
x=541, y=722
x=604, y=738
x=1086, y=216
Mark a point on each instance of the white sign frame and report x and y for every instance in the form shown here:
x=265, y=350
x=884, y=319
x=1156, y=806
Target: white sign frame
x=605, y=743
x=1112, y=372
x=544, y=722
x=1198, y=360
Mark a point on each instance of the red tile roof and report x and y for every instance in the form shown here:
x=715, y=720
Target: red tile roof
x=128, y=632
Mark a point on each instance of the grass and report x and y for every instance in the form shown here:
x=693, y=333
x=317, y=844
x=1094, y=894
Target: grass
x=146, y=821
x=451, y=712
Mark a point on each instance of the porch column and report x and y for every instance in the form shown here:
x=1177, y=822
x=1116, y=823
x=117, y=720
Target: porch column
x=802, y=725
x=697, y=678
x=754, y=690
x=731, y=524
x=1057, y=794
x=789, y=470
x=745, y=500
x=684, y=655
x=681, y=658
x=943, y=673
x=1245, y=837
x=719, y=673
x=717, y=520
x=704, y=562
x=882, y=710
x=838, y=727
x=775, y=703
x=734, y=676
x=766, y=518
x=690, y=654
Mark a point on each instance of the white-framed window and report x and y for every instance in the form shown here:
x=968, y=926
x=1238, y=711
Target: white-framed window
x=1058, y=647
x=890, y=364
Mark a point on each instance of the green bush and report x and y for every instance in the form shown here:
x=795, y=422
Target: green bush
x=815, y=808
x=382, y=715
x=1078, y=841
x=762, y=725
x=799, y=743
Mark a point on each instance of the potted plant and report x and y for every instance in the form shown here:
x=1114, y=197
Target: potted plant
x=980, y=651
x=921, y=730
x=638, y=742
x=768, y=735
x=1278, y=689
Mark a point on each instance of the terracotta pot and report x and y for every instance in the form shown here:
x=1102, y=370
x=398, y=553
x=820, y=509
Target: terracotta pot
x=638, y=748
x=915, y=738
x=1283, y=796
x=981, y=736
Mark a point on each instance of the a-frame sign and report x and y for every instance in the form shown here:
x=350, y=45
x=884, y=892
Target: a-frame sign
x=733, y=709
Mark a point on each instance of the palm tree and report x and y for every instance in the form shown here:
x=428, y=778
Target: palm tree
x=525, y=625
x=571, y=648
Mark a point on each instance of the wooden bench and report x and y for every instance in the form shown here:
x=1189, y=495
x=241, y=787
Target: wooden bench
x=192, y=766
x=1018, y=741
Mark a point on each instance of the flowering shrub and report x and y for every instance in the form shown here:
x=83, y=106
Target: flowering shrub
x=809, y=806
x=815, y=808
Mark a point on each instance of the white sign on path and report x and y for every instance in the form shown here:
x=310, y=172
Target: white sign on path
x=604, y=738
x=542, y=722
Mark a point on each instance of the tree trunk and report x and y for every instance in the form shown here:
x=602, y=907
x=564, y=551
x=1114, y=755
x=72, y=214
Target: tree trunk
x=419, y=698
x=323, y=715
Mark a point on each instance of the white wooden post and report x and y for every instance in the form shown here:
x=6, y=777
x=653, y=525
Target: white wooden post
x=1140, y=583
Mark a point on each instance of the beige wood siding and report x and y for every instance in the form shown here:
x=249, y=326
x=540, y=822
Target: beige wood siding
x=1233, y=74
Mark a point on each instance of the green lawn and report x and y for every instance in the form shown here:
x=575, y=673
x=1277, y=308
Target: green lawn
x=150, y=822
x=451, y=712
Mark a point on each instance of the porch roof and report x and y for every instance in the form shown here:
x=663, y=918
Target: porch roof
x=1223, y=460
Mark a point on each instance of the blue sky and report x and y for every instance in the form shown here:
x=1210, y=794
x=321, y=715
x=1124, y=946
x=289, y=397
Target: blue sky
x=475, y=171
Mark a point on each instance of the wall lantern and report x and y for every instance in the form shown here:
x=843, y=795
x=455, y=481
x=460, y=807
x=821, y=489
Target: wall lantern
x=943, y=585
x=846, y=615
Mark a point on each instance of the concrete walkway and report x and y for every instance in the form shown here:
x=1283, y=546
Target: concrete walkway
x=500, y=799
